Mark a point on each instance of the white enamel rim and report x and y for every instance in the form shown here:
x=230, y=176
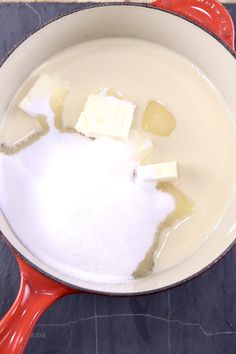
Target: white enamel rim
x=138, y=21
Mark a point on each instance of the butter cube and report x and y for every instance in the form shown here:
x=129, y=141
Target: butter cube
x=141, y=145
x=46, y=95
x=106, y=116
x=165, y=171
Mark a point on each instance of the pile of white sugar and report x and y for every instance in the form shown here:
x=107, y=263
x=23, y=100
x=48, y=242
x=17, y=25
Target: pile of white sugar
x=75, y=204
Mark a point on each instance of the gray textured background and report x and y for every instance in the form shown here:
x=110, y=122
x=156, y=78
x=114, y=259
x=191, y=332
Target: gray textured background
x=196, y=318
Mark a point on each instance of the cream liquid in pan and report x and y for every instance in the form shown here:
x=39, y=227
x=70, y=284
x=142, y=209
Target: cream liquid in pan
x=203, y=142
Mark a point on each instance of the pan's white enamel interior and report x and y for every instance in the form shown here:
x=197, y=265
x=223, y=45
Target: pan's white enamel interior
x=138, y=22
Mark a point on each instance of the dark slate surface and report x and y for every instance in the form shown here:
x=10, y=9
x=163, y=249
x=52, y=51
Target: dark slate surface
x=196, y=318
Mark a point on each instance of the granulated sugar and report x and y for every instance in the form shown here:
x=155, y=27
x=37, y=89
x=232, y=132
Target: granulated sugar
x=75, y=204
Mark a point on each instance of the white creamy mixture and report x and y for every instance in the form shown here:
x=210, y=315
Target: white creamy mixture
x=75, y=204
x=203, y=143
